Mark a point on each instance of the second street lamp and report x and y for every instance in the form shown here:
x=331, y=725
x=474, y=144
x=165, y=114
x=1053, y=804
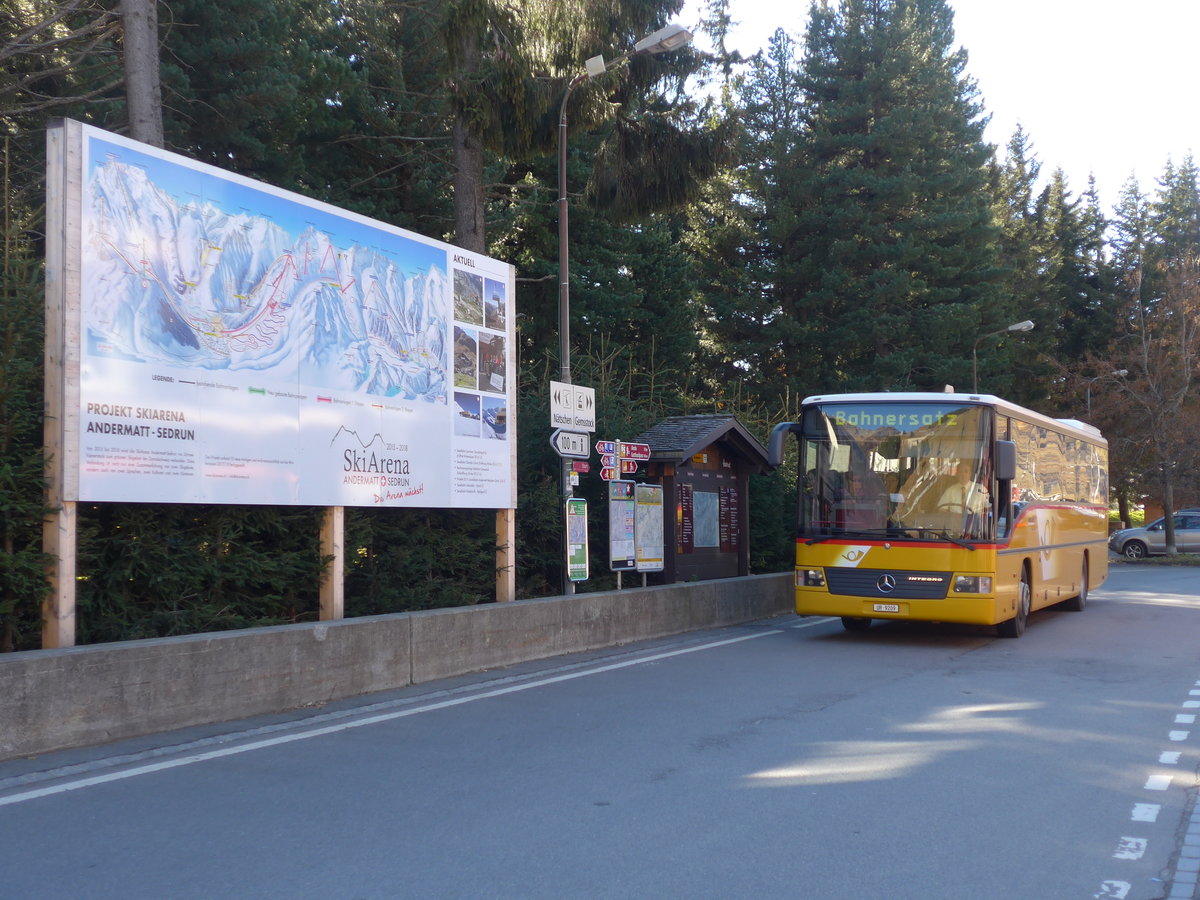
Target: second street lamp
x=666, y=39
x=1119, y=373
x=1016, y=326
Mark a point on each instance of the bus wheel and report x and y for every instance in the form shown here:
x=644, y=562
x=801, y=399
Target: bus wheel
x=1015, y=626
x=853, y=623
x=1075, y=604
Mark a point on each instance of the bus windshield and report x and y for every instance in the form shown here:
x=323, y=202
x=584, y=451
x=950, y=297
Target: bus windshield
x=919, y=470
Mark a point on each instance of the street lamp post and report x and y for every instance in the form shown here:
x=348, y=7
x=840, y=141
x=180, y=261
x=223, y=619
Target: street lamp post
x=666, y=39
x=1119, y=373
x=1016, y=326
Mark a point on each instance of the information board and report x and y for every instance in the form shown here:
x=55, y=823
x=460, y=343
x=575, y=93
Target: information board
x=649, y=502
x=685, y=519
x=238, y=343
x=622, y=526
x=577, y=539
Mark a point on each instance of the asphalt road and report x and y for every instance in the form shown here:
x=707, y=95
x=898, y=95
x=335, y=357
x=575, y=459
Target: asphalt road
x=784, y=758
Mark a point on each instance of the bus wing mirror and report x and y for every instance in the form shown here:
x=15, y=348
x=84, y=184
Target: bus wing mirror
x=775, y=446
x=1006, y=460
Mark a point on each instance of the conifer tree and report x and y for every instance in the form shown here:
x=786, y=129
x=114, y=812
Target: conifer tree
x=1154, y=235
x=738, y=230
x=22, y=508
x=893, y=244
x=1130, y=231
x=1175, y=213
x=1025, y=251
x=1017, y=214
x=1081, y=319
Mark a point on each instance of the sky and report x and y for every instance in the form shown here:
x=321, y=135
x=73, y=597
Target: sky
x=1101, y=87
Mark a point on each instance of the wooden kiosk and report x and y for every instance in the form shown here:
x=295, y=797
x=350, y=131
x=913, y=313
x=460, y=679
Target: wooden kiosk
x=704, y=464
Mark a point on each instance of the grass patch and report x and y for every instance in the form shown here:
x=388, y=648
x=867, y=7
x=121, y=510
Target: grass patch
x=1179, y=559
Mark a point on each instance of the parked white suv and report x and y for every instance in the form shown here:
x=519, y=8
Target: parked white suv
x=1136, y=543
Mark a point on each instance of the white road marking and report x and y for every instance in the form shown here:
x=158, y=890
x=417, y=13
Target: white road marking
x=188, y=760
x=1145, y=812
x=822, y=621
x=1135, y=848
x=1130, y=848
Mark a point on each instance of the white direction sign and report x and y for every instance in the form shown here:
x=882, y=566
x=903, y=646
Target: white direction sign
x=570, y=443
x=572, y=406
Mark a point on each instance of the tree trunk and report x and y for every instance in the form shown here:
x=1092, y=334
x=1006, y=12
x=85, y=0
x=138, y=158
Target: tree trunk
x=1169, y=512
x=143, y=91
x=468, y=188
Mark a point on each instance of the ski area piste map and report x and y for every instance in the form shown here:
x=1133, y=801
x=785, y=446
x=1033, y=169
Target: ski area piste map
x=242, y=344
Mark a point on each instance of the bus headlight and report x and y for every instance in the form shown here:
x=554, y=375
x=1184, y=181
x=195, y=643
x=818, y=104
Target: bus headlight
x=973, y=584
x=810, y=578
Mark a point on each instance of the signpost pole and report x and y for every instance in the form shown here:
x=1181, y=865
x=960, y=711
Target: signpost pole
x=564, y=305
x=572, y=412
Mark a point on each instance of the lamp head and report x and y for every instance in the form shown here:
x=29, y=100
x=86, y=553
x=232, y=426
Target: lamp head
x=1020, y=326
x=668, y=38
x=595, y=66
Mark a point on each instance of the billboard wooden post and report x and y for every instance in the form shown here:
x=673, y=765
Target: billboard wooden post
x=506, y=555
x=333, y=548
x=64, y=190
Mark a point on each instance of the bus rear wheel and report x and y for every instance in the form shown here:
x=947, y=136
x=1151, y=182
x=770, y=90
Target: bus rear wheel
x=1077, y=603
x=1015, y=627
x=853, y=623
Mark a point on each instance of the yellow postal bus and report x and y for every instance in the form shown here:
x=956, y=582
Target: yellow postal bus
x=944, y=507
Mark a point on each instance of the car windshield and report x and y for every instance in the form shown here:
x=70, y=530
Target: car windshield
x=916, y=470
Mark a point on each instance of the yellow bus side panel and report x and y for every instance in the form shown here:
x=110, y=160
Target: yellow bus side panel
x=1054, y=540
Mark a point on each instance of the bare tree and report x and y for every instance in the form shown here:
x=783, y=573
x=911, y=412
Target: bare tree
x=46, y=43
x=1161, y=352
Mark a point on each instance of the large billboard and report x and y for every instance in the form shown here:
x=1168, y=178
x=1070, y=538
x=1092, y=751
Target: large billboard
x=238, y=343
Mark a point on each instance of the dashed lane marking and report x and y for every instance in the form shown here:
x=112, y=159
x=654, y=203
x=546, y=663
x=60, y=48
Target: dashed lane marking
x=1145, y=812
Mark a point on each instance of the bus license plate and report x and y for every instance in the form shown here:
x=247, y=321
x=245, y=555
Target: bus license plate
x=886, y=607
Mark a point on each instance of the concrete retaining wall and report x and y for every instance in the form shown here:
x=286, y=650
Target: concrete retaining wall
x=54, y=699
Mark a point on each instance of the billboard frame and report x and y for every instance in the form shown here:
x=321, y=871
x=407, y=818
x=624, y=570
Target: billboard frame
x=67, y=143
